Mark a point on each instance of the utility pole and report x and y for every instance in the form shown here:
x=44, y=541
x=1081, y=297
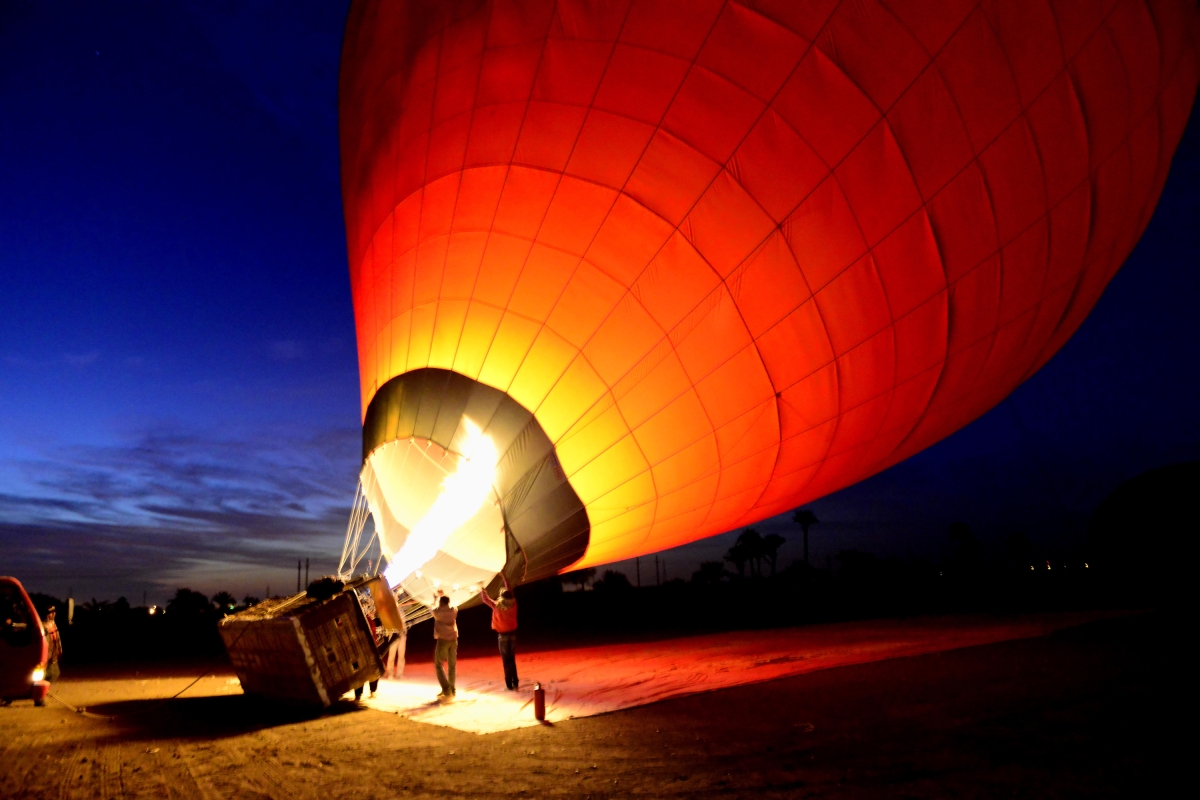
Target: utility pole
x=306, y=572
x=657, y=582
x=297, y=576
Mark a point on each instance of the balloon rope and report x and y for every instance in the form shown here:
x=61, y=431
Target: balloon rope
x=359, y=511
x=413, y=610
x=359, y=523
x=350, y=528
x=362, y=553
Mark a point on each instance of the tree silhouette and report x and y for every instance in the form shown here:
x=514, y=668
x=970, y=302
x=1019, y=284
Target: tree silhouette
x=770, y=546
x=858, y=568
x=612, y=581
x=580, y=577
x=738, y=556
x=1018, y=551
x=97, y=605
x=188, y=603
x=224, y=602
x=753, y=543
x=967, y=553
x=748, y=549
x=710, y=572
x=803, y=517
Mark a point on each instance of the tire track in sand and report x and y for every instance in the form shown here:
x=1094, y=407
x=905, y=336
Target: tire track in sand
x=111, y=771
x=228, y=769
x=25, y=753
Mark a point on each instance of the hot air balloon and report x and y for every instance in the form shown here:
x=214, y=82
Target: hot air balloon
x=628, y=274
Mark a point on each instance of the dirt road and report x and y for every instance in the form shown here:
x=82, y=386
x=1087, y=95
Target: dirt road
x=1083, y=712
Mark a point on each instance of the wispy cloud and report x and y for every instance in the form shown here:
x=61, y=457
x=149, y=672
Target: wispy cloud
x=165, y=506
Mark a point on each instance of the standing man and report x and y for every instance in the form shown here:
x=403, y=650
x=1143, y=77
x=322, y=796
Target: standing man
x=445, y=631
x=53, y=645
x=394, y=657
x=504, y=623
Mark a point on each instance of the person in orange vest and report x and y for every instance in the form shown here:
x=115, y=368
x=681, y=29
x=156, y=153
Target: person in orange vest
x=504, y=623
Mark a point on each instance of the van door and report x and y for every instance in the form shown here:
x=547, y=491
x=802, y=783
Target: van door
x=22, y=640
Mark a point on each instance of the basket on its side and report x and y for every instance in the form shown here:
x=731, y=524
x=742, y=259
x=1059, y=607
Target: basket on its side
x=302, y=650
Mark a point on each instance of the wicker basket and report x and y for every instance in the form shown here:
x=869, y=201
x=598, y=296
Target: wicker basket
x=300, y=650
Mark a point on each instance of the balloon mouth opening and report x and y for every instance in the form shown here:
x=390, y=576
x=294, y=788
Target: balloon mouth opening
x=436, y=512
x=419, y=429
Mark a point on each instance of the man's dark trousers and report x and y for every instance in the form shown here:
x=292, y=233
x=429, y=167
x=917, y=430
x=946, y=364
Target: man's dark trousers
x=508, y=654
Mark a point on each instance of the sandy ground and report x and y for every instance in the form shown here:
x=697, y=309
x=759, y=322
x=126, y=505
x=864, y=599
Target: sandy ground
x=586, y=681
x=1084, y=711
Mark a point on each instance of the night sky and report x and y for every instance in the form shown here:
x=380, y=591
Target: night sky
x=178, y=378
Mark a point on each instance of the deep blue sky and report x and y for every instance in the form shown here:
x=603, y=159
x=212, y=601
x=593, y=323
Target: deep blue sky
x=178, y=382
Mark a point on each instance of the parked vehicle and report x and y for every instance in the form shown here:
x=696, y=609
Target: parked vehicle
x=23, y=646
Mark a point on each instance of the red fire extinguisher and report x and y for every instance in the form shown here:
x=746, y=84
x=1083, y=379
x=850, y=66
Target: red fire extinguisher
x=539, y=703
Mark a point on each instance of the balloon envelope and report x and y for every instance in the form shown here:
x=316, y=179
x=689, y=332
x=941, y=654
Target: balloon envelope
x=730, y=257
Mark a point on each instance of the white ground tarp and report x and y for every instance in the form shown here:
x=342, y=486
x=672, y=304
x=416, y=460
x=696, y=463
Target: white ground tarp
x=595, y=680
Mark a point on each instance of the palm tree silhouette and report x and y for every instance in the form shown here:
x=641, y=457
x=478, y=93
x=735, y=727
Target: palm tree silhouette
x=738, y=556
x=752, y=544
x=710, y=572
x=224, y=601
x=580, y=577
x=770, y=547
x=803, y=517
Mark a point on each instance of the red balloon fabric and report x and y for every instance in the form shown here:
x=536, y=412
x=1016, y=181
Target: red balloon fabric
x=737, y=255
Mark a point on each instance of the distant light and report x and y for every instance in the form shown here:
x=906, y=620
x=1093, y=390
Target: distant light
x=418, y=573
x=153, y=610
x=1085, y=566
x=456, y=587
x=1031, y=567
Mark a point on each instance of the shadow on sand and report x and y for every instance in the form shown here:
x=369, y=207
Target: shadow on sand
x=207, y=717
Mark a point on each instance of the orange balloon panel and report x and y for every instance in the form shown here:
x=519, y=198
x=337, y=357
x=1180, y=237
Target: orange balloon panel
x=733, y=258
